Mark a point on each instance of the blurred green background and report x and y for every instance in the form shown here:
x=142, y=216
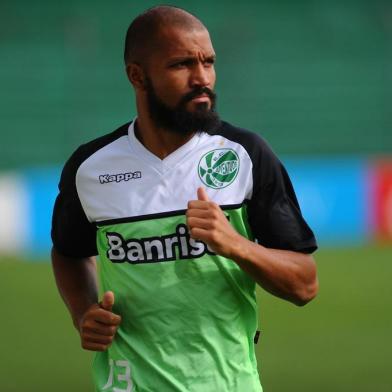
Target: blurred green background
x=314, y=77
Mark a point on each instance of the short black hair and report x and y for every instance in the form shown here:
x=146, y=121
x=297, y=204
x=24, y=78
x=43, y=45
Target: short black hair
x=145, y=27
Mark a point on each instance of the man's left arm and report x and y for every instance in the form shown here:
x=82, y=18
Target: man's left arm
x=286, y=274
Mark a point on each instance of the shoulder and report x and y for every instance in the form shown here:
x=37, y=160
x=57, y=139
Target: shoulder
x=267, y=167
x=83, y=152
x=91, y=147
x=256, y=146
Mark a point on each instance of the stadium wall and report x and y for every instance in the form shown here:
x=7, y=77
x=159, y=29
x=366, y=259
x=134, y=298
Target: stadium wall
x=347, y=201
x=313, y=77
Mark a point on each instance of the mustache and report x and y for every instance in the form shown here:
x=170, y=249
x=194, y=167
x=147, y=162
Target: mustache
x=197, y=92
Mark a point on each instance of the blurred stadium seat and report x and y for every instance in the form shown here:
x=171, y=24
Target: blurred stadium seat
x=312, y=77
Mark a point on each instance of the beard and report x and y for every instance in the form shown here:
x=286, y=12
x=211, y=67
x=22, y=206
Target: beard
x=180, y=120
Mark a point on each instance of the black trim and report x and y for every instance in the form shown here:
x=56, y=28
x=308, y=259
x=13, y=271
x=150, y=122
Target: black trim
x=274, y=214
x=233, y=206
x=72, y=234
x=257, y=336
x=158, y=215
x=88, y=149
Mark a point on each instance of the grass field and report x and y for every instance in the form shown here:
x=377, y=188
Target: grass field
x=339, y=342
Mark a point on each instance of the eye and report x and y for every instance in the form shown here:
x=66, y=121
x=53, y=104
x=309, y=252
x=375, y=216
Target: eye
x=209, y=62
x=178, y=65
x=181, y=64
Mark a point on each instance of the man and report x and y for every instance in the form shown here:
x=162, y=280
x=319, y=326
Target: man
x=186, y=213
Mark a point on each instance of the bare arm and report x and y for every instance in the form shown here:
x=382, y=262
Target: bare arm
x=76, y=281
x=286, y=274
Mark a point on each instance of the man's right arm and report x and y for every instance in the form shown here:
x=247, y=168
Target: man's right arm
x=76, y=279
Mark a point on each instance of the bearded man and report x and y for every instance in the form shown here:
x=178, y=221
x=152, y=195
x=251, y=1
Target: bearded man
x=187, y=213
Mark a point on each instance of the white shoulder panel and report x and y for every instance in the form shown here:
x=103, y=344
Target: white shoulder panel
x=120, y=181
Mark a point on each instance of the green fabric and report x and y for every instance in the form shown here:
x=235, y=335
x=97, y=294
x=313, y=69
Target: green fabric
x=187, y=325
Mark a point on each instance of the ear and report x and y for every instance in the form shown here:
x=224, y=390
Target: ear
x=136, y=75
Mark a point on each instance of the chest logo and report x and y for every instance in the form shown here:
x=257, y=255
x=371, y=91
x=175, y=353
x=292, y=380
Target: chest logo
x=219, y=168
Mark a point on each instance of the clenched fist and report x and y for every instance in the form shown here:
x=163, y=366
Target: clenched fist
x=207, y=222
x=99, y=324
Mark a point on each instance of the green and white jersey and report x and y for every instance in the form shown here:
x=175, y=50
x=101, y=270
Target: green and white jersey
x=189, y=316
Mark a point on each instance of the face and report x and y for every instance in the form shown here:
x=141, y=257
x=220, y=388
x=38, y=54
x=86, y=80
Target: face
x=179, y=81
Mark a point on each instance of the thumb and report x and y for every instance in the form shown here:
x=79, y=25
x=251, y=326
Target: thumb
x=107, y=300
x=202, y=194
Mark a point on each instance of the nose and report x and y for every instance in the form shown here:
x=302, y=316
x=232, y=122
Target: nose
x=201, y=76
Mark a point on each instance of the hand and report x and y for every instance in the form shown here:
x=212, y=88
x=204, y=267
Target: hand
x=99, y=325
x=207, y=222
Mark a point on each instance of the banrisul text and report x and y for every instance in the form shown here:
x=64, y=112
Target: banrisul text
x=178, y=245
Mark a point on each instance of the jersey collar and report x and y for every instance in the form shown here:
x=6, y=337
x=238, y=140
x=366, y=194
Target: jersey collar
x=169, y=162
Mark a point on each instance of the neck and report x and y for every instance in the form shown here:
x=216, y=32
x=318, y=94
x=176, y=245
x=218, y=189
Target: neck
x=160, y=141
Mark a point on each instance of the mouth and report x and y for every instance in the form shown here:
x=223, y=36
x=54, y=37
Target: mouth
x=201, y=98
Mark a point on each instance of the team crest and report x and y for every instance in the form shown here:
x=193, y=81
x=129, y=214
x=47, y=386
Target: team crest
x=219, y=168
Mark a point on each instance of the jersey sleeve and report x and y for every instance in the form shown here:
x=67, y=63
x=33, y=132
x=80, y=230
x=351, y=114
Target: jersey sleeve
x=274, y=213
x=72, y=234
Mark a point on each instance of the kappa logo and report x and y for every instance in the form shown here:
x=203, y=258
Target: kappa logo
x=219, y=168
x=106, y=178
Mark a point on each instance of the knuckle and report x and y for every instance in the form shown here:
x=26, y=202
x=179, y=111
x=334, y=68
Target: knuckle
x=91, y=311
x=215, y=214
x=86, y=337
x=214, y=236
x=86, y=324
x=214, y=222
x=105, y=340
x=88, y=328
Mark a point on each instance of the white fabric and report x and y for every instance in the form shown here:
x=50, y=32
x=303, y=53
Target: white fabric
x=164, y=185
